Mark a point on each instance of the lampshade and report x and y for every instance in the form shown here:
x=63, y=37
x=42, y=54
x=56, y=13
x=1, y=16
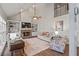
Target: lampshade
x=36, y=17
x=56, y=32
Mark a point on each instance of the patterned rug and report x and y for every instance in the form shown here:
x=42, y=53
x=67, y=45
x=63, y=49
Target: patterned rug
x=34, y=46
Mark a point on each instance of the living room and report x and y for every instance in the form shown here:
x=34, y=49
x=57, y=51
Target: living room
x=37, y=26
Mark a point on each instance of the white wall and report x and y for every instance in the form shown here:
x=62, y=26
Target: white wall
x=77, y=23
x=45, y=23
x=2, y=13
x=77, y=35
x=65, y=19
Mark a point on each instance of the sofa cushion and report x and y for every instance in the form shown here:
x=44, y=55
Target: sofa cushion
x=45, y=33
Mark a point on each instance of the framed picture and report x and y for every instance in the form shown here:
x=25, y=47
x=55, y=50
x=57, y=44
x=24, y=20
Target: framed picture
x=34, y=27
x=25, y=25
x=59, y=25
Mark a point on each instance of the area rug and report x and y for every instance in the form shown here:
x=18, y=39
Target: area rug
x=34, y=46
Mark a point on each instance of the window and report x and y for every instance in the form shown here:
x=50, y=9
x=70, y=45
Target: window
x=60, y=9
x=2, y=30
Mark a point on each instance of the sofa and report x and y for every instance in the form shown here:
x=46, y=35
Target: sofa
x=46, y=36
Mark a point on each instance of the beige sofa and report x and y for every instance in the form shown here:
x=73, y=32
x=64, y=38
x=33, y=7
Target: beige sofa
x=47, y=37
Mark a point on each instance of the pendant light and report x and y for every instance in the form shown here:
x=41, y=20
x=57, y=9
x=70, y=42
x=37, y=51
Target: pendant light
x=35, y=17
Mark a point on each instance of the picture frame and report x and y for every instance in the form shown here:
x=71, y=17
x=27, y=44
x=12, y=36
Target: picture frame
x=34, y=27
x=59, y=25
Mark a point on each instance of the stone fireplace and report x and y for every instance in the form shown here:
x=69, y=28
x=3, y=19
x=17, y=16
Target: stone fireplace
x=26, y=30
x=26, y=33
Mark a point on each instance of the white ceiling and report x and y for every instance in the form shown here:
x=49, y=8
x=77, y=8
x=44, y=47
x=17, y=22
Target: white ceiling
x=13, y=8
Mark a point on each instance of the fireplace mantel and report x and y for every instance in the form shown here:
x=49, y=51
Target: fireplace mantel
x=26, y=29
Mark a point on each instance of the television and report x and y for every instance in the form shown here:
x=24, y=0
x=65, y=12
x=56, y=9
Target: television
x=26, y=25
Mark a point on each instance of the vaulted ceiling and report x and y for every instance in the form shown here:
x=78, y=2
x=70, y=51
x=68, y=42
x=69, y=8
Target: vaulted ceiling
x=13, y=8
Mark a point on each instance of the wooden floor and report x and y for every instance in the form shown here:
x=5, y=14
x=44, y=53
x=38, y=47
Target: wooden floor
x=49, y=52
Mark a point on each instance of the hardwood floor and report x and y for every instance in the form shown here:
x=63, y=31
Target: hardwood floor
x=19, y=53
x=49, y=52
